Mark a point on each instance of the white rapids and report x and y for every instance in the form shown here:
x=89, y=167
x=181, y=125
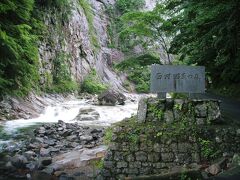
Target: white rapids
x=68, y=110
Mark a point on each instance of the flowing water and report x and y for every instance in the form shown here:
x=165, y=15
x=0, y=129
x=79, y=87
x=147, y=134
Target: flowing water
x=12, y=131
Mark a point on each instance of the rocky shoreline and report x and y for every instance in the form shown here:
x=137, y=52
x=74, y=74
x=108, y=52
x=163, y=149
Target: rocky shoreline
x=30, y=106
x=64, y=142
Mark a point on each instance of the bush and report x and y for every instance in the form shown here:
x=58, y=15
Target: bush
x=138, y=70
x=60, y=80
x=18, y=48
x=92, y=84
x=125, y=6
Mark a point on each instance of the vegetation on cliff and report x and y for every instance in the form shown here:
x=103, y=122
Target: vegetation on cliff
x=138, y=71
x=92, y=84
x=18, y=48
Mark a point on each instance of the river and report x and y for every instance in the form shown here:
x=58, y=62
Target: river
x=12, y=132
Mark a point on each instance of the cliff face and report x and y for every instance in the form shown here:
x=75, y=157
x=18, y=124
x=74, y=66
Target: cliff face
x=82, y=39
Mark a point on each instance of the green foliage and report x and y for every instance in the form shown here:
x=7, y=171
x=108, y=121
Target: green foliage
x=124, y=6
x=138, y=70
x=207, y=149
x=159, y=114
x=18, y=48
x=108, y=136
x=115, y=12
x=92, y=84
x=146, y=28
x=142, y=60
x=207, y=33
x=64, y=6
x=89, y=15
x=61, y=77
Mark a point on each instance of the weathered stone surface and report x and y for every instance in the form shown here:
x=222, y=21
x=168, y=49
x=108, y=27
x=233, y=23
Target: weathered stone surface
x=142, y=110
x=19, y=161
x=200, y=121
x=141, y=156
x=168, y=116
x=214, y=169
x=214, y=114
x=87, y=114
x=169, y=78
x=44, y=152
x=122, y=164
x=111, y=98
x=136, y=164
x=201, y=110
x=167, y=157
x=157, y=147
x=46, y=161
x=153, y=157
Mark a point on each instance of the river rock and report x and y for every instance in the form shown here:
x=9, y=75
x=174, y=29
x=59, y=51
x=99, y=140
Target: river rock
x=86, y=138
x=111, y=98
x=46, y=161
x=44, y=152
x=213, y=169
x=29, y=154
x=19, y=161
x=87, y=114
x=77, y=158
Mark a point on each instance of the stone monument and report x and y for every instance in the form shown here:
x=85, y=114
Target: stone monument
x=177, y=78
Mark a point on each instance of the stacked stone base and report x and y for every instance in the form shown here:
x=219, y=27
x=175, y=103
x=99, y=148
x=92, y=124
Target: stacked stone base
x=150, y=147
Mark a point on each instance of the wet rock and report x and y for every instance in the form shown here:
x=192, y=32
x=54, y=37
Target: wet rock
x=111, y=98
x=214, y=113
x=168, y=116
x=41, y=130
x=201, y=110
x=214, y=169
x=50, y=142
x=29, y=154
x=77, y=158
x=87, y=114
x=46, y=161
x=86, y=138
x=37, y=175
x=32, y=166
x=44, y=152
x=19, y=161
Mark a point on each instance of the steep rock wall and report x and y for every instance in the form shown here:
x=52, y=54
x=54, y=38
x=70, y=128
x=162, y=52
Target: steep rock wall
x=73, y=38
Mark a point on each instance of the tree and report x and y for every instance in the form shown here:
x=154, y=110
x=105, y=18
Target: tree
x=18, y=48
x=207, y=33
x=149, y=27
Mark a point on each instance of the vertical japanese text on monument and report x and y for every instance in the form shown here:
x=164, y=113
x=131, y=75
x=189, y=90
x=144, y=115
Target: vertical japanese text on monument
x=178, y=78
x=184, y=76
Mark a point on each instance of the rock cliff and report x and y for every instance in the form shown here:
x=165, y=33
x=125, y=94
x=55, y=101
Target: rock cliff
x=83, y=39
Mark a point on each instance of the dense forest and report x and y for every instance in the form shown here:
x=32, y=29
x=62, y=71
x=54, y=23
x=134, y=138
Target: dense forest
x=196, y=32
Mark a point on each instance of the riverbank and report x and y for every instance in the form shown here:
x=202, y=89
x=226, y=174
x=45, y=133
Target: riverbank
x=51, y=144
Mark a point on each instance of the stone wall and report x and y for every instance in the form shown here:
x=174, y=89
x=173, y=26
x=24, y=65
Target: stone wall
x=170, y=110
x=173, y=133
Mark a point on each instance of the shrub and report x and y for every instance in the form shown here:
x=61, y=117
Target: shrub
x=60, y=80
x=92, y=84
x=138, y=70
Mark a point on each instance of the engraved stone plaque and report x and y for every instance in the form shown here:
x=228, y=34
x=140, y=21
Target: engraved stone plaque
x=177, y=78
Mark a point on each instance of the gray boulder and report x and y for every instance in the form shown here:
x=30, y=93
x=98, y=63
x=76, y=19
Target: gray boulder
x=19, y=161
x=87, y=114
x=111, y=98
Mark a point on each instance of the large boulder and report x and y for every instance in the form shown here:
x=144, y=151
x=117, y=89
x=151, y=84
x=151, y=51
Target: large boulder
x=111, y=98
x=87, y=114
